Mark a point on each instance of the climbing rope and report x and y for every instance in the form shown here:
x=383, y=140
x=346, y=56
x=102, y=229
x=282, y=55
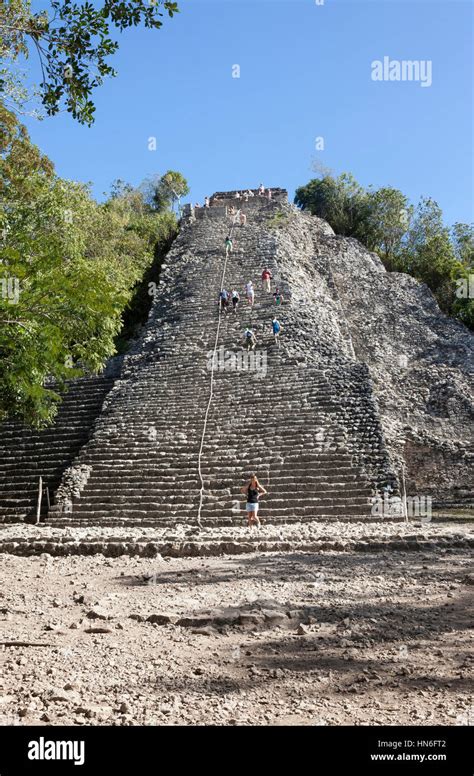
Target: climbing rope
x=211, y=393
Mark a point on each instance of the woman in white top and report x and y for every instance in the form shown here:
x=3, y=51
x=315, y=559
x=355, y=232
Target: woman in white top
x=249, y=290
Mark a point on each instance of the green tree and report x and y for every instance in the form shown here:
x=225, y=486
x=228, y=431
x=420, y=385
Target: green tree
x=428, y=253
x=463, y=273
x=68, y=268
x=160, y=192
x=341, y=201
x=73, y=45
x=462, y=236
x=409, y=240
x=463, y=300
x=388, y=221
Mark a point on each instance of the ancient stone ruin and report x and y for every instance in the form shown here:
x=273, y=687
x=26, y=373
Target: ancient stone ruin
x=368, y=389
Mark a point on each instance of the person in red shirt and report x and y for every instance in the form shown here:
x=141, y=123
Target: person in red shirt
x=266, y=278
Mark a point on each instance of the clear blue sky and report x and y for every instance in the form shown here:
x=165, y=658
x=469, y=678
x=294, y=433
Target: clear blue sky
x=305, y=72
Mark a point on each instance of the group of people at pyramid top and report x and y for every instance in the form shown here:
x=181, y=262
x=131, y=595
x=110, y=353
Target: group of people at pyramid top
x=245, y=195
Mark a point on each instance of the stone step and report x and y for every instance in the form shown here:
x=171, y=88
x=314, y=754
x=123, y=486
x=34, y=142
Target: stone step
x=26, y=453
x=105, y=545
x=182, y=478
x=141, y=412
x=170, y=516
x=117, y=478
x=233, y=382
x=226, y=437
x=165, y=489
x=160, y=457
x=153, y=501
x=57, y=447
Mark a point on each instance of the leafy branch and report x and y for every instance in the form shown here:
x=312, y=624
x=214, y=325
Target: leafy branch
x=73, y=45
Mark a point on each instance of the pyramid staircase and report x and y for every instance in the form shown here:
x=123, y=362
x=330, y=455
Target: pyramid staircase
x=26, y=454
x=161, y=452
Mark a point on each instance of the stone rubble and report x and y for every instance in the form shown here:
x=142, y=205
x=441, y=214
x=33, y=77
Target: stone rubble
x=289, y=638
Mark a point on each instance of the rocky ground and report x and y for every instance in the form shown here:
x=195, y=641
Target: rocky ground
x=379, y=636
x=181, y=540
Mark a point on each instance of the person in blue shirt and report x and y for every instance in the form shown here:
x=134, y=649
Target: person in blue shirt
x=223, y=300
x=276, y=328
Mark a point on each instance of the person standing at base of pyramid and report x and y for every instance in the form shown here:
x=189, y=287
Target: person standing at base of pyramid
x=253, y=490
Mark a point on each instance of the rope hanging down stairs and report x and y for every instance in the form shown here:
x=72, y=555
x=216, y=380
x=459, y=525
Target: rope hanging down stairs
x=211, y=393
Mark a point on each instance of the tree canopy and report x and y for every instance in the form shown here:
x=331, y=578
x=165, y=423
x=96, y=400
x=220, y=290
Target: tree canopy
x=407, y=238
x=163, y=191
x=68, y=269
x=73, y=44
x=341, y=201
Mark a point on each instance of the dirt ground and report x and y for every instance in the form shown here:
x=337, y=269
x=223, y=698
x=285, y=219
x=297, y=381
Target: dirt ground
x=269, y=639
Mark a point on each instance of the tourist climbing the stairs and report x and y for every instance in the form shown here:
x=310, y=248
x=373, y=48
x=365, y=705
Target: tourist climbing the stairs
x=235, y=300
x=228, y=245
x=223, y=301
x=249, y=290
x=278, y=296
x=261, y=190
x=253, y=490
x=266, y=279
x=250, y=339
x=243, y=219
x=276, y=328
